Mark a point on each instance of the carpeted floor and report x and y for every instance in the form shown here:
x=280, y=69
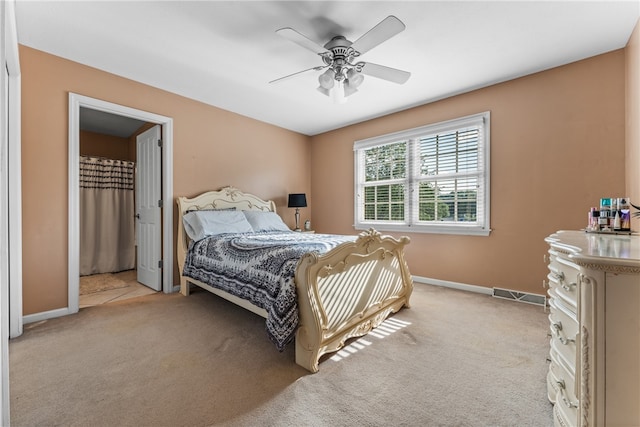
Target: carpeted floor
x=453, y=359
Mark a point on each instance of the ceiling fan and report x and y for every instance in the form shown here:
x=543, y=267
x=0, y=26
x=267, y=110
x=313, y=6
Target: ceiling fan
x=342, y=76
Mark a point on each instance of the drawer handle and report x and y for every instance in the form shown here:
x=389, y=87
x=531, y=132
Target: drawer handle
x=557, y=331
x=562, y=387
x=559, y=276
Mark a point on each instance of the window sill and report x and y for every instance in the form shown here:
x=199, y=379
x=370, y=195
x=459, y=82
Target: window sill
x=455, y=230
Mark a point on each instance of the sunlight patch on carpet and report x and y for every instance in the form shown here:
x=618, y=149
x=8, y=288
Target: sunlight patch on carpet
x=383, y=330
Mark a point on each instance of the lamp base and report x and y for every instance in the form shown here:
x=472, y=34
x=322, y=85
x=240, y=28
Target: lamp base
x=297, y=220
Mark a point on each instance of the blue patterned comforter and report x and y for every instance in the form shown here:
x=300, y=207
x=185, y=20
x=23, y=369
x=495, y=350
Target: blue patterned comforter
x=259, y=268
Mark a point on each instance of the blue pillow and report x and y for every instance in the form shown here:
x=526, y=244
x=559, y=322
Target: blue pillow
x=265, y=221
x=200, y=224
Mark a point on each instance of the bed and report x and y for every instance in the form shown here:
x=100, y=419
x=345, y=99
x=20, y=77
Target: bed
x=344, y=286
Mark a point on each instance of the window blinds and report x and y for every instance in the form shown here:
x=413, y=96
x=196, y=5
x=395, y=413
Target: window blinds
x=435, y=176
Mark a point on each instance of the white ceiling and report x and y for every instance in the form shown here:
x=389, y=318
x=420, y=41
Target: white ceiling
x=224, y=53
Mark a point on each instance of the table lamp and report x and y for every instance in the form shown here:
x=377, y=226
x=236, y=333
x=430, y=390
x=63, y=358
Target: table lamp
x=297, y=200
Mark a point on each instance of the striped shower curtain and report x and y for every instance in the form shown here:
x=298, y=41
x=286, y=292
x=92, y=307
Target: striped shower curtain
x=107, y=233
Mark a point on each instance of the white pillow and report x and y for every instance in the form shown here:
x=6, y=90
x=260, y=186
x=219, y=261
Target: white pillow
x=265, y=221
x=200, y=224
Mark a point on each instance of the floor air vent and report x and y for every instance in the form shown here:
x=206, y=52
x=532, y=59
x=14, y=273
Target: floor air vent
x=520, y=296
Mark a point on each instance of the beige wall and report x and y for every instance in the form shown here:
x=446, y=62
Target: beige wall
x=557, y=146
x=108, y=146
x=633, y=119
x=212, y=148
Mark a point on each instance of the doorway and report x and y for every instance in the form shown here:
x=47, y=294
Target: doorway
x=76, y=103
x=110, y=193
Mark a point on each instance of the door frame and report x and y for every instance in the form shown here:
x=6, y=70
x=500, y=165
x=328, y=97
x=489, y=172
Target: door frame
x=11, y=241
x=77, y=101
x=15, y=174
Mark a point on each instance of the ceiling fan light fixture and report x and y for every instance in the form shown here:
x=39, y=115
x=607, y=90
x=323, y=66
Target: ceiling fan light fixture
x=327, y=79
x=349, y=90
x=354, y=78
x=326, y=92
x=338, y=93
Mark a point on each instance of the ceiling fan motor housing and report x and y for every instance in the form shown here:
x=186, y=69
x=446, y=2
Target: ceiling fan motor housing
x=340, y=57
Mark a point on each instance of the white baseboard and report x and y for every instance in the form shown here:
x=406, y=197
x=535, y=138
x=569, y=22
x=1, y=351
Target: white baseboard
x=508, y=294
x=453, y=285
x=495, y=292
x=59, y=312
x=45, y=315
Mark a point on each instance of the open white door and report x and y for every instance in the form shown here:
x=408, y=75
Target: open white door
x=148, y=207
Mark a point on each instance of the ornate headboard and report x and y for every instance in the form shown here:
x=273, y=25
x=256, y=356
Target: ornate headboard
x=228, y=197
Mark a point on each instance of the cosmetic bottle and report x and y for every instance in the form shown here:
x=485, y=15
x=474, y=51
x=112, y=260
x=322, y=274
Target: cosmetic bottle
x=594, y=216
x=616, y=221
x=625, y=214
x=605, y=214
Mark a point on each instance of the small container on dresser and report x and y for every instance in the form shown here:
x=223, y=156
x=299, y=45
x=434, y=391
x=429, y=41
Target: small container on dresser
x=594, y=321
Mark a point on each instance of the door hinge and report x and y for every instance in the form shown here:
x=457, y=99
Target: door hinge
x=160, y=264
x=160, y=143
x=160, y=203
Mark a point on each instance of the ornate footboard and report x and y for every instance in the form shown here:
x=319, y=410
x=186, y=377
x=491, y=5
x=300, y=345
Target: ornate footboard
x=347, y=292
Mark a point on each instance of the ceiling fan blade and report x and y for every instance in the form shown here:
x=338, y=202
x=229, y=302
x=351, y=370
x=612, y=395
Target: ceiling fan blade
x=302, y=40
x=385, y=73
x=318, y=68
x=387, y=28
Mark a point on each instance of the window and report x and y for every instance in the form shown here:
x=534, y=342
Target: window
x=432, y=179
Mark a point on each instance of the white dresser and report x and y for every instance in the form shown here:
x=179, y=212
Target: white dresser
x=594, y=319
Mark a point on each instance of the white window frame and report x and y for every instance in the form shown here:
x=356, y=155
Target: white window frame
x=411, y=136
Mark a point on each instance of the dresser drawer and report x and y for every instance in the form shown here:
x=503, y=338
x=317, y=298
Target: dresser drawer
x=564, y=330
x=560, y=418
x=563, y=278
x=561, y=379
x=563, y=419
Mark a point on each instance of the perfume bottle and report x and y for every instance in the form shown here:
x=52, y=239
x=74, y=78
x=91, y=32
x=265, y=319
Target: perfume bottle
x=594, y=216
x=625, y=214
